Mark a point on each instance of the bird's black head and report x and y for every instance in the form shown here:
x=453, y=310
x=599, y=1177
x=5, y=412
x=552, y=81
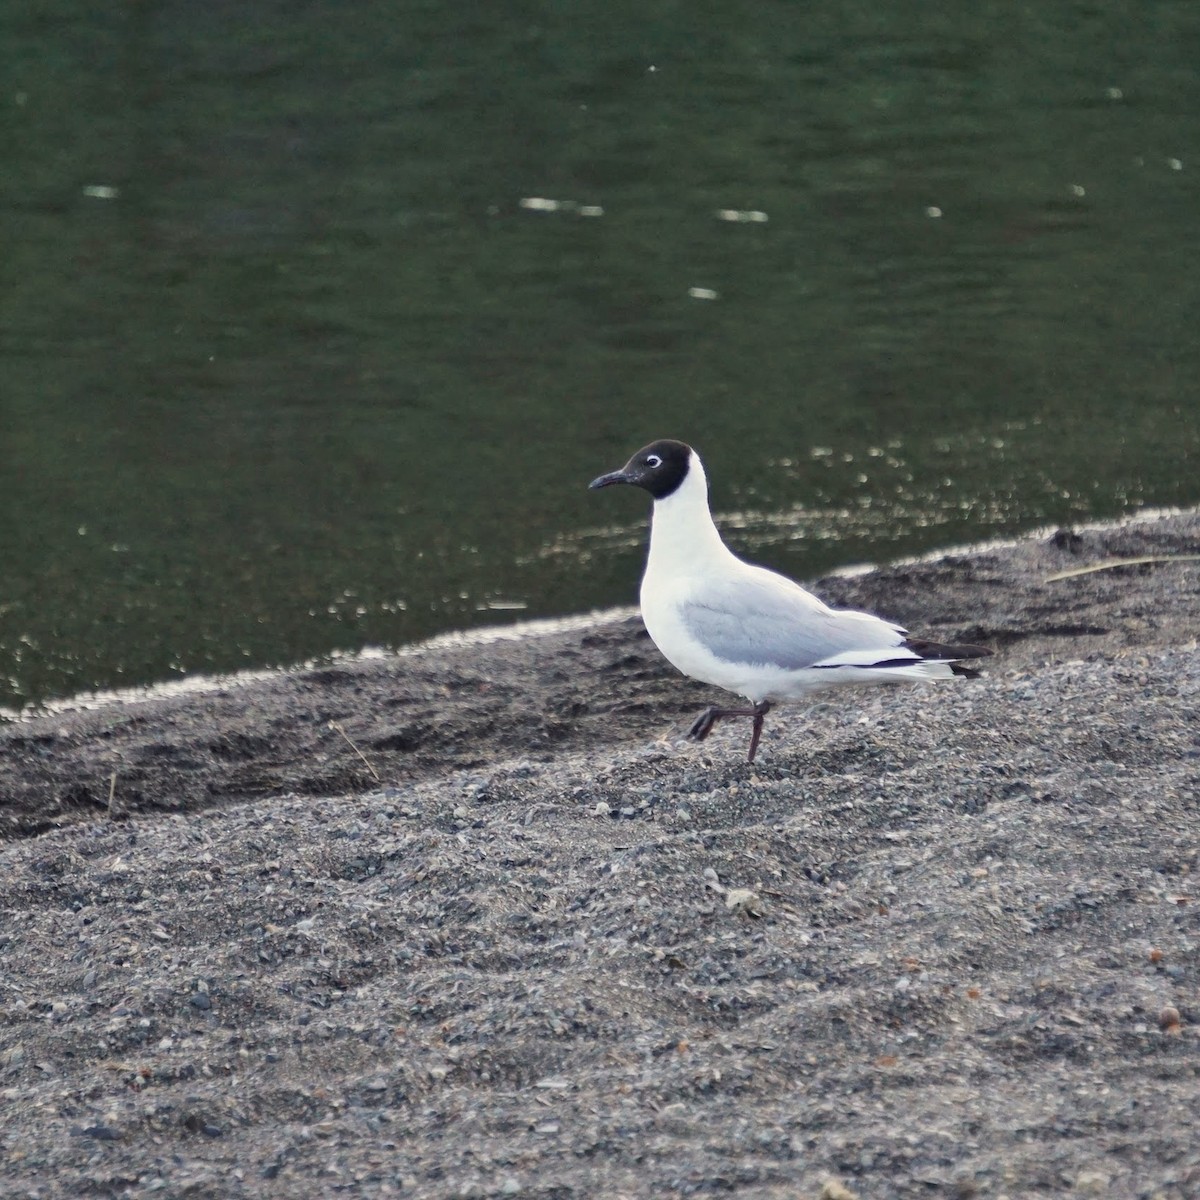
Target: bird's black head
x=659, y=468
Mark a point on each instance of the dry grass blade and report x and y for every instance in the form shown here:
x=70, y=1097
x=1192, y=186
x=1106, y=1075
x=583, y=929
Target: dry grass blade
x=1123, y=562
x=366, y=761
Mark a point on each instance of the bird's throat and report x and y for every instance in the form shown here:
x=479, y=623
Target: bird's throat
x=682, y=533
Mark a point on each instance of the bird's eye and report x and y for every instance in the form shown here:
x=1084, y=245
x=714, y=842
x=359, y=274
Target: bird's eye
x=652, y=461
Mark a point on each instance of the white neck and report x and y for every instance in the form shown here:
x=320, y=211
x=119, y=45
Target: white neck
x=682, y=533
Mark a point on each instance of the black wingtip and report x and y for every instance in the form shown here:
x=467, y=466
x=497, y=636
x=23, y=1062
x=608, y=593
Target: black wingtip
x=965, y=672
x=937, y=652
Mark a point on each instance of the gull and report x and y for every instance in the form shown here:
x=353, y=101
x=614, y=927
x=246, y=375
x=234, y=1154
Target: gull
x=747, y=629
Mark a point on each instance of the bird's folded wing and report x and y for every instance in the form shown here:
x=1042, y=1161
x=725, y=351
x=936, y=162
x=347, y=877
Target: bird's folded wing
x=761, y=617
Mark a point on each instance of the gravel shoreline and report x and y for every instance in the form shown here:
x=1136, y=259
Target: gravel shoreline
x=471, y=922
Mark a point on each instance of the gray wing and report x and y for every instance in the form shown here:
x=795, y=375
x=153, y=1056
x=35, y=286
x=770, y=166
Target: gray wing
x=761, y=617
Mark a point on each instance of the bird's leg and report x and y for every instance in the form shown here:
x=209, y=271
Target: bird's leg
x=702, y=726
x=760, y=710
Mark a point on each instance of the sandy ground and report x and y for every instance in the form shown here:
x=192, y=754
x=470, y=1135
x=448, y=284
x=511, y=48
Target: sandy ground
x=471, y=922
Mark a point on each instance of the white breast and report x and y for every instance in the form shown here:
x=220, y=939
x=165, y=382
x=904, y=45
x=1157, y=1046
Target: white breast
x=686, y=550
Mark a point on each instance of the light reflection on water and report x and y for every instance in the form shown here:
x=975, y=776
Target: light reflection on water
x=890, y=504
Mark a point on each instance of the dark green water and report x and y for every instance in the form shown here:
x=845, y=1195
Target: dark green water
x=286, y=366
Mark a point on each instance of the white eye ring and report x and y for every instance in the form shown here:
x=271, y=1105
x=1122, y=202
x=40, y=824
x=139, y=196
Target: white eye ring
x=652, y=461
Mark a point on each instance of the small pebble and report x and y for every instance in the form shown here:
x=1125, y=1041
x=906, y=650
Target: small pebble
x=1092, y=1183
x=745, y=901
x=104, y=1133
x=834, y=1189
